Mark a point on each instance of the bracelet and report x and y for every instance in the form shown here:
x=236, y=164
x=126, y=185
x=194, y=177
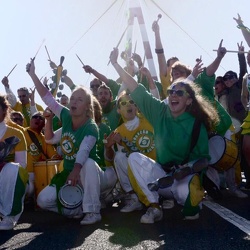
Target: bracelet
x=159, y=51
x=243, y=27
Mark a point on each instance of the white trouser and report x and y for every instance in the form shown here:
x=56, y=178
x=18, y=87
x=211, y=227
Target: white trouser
x=146, y=170
x=8, y=184
x=121, y=166
x=95, y=182
x=30, y=190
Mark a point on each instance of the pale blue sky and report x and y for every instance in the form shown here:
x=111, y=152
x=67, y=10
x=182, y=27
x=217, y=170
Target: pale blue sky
x=71, y=26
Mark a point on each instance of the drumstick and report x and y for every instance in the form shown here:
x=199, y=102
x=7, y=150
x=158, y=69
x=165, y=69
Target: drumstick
x=38, y=49
x=11, y=70
x=119, y=41
x=47, y=53
x=80, y=60
x=234, y=51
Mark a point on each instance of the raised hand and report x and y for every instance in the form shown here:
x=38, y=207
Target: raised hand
x=238, y=20
x=5, y=82
x=221, y=52
x=114, y=55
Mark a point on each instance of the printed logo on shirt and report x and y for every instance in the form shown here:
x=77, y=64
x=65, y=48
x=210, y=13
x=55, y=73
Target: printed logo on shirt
x=33, y=150
x=142, y=142
x=67, y=144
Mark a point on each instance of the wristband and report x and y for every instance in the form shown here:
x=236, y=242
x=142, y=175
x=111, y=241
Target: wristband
x=159, y=51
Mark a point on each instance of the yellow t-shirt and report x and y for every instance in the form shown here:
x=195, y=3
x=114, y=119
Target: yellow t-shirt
x=25, y=110
x=21, y=146
x=140, y=139
x=34, y=155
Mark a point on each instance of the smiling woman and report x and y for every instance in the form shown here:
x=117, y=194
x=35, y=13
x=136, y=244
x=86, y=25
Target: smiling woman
x=173, y=126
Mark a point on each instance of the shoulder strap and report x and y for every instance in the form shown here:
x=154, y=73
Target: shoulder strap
x=194, y=139
x=35, y=140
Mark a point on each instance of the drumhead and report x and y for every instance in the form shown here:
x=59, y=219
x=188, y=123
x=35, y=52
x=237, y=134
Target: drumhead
x=237, y=125
x=70, y=196
x=217, y=147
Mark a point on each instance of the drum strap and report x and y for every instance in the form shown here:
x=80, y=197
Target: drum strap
x=35, y=140
x=194, y=138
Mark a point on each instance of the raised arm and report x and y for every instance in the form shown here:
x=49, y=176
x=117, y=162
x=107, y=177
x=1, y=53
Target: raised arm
x=98, y=75
x=126, y=78
x=41, y=89
x=212, y=68
x=10, y=95
x=245, y=31
x=159, y=50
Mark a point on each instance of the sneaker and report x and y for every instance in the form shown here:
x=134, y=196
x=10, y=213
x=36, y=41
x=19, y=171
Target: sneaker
x=181, y=173
x=7, y=223
x=152, y=215
x=78, y=216
x=131, y=206
x=163, y=182
x=192, y=217
x=91, y=218
x=238, y=193
x=168, y=204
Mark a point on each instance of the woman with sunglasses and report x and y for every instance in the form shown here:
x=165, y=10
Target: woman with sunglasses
x=173, y=126
x=134, y=135
x=78, y=144
x=13, y=175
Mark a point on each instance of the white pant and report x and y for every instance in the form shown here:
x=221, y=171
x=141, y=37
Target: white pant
x=146, y=170
x=121, y=166
x=8, y=185
x=95, y=182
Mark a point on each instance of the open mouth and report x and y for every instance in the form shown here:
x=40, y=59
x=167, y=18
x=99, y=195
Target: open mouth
x=129, y=111
x=174, y=103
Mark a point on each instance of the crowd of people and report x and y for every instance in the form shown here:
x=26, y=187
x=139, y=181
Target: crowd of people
x=142, y=143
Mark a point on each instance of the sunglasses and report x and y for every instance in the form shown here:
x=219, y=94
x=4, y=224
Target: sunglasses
x=178, y=92
x=94, y=86
x=38, y=117
x=16, y=119
x=22, y=96
x=124, y=103
x=228, y=78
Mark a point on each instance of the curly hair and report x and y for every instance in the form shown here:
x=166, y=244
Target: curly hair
x=201, y=108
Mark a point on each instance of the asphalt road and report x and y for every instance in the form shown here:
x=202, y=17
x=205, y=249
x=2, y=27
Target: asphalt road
x=47, y=230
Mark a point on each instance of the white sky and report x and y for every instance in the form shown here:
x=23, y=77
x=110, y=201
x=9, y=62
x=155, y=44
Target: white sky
x=83, y=27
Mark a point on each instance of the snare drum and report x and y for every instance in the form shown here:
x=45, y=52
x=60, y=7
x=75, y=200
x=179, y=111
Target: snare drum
x=44, y=172
x=223, y=152
x=70, y=196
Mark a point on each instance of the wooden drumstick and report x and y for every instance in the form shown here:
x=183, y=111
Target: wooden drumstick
x=11, y=70
x=234, y=51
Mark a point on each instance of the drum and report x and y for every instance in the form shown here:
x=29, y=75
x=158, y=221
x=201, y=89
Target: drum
x=70, y=196
x=224, y=153
x=44, y=172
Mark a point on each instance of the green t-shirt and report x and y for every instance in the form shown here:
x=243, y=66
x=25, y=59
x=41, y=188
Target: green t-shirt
x=71, y=139
x=172, y=135
x=103, y=129
x=206, y=83
x=110, y=117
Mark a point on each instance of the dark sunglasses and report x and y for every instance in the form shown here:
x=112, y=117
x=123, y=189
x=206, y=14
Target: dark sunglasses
x=38, y=117
x=228, y=78
x=16, y=119
x=20, y=96
x=94, y=86
x=124, y=103
x=178, y=92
